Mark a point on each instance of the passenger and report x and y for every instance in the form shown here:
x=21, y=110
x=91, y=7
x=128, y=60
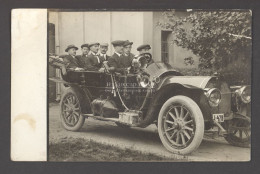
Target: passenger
x=103, y=47
x=82, y=58
x=117, y=61
x=94, y=61
x=70, y=59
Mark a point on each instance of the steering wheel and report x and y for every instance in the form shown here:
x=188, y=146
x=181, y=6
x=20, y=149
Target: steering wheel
x=147, y=56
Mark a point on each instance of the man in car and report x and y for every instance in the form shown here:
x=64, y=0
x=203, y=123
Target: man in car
x=117, y=62
x=70, y=59
x=103, y=47
x=127, y=49
x=82, y=58
x=94, y=61
x=145, y=50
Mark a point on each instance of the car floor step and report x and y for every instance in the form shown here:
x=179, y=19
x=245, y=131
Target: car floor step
x=101, y=118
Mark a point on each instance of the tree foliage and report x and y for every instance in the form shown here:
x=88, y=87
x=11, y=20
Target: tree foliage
x=219, y=38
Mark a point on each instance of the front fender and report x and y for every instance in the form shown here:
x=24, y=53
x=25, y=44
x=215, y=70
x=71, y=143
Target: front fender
x=162, y=94
x=191, y=82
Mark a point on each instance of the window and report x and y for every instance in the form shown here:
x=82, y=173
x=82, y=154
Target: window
x=165, y=46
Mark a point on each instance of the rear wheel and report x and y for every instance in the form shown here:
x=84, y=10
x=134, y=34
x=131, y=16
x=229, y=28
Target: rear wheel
x=71, y=117
x=180, y=125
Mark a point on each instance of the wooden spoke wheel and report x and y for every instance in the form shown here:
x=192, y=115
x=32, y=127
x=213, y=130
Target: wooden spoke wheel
x=239, y=132
x=180, y=125
x=71, y=117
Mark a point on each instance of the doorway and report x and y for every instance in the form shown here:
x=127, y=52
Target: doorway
x=52, y=70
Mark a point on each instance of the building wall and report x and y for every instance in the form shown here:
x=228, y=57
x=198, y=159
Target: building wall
x=70, y=29
x=156, y=36
x=85, y=27
x=177, y=54
x=128, y=26
x=148, y=29
x=97, y=27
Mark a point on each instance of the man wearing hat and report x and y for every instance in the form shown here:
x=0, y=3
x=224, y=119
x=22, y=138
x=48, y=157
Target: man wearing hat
x=85, y=49
x=127, y=49
x=118, y=62
x=103, y=47
x=82, y=58
x=144, y=48
x=70, y=59
x=93, y=61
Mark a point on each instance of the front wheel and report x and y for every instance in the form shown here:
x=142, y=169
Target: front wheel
x=71, y=117
x=180, y=125
x=239, y=132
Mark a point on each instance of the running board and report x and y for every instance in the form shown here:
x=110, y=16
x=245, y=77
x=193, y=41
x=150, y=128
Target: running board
x=101, y=118
x=115, y=120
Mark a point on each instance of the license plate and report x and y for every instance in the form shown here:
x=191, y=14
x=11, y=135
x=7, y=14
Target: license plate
x=218, y=117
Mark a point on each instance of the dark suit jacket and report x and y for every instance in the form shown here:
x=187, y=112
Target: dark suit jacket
x=131, y=56
x=82, y=59
x=91, y=63
x=71, y=62
x=120, y=63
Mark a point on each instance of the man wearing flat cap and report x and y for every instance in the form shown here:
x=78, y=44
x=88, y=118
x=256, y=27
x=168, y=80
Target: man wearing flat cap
x=144, y=48
x=82, y=58
x=85, y=49
x=93, y=61
x=70, y=59
x=145, y=51
x=103, y=47
x=127, y=49
x=118, y=62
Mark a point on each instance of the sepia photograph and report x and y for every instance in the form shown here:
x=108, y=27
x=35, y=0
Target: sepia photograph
x=149, y=86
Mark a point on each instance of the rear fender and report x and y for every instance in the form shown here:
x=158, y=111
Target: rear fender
x=58, y=80
x=84, y=97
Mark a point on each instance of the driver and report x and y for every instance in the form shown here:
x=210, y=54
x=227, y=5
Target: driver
x=117, y=61
x=143, y=50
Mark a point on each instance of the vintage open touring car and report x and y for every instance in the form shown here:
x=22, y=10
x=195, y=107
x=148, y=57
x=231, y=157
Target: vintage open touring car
x=184, y=108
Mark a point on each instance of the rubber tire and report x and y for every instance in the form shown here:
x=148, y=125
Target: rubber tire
x=199, y=122
x=81, y=121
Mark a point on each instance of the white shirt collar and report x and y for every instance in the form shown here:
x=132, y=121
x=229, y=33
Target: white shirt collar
x=118, y=54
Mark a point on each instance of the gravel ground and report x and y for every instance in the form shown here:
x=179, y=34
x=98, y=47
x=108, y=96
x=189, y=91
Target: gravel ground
x=145, y=140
